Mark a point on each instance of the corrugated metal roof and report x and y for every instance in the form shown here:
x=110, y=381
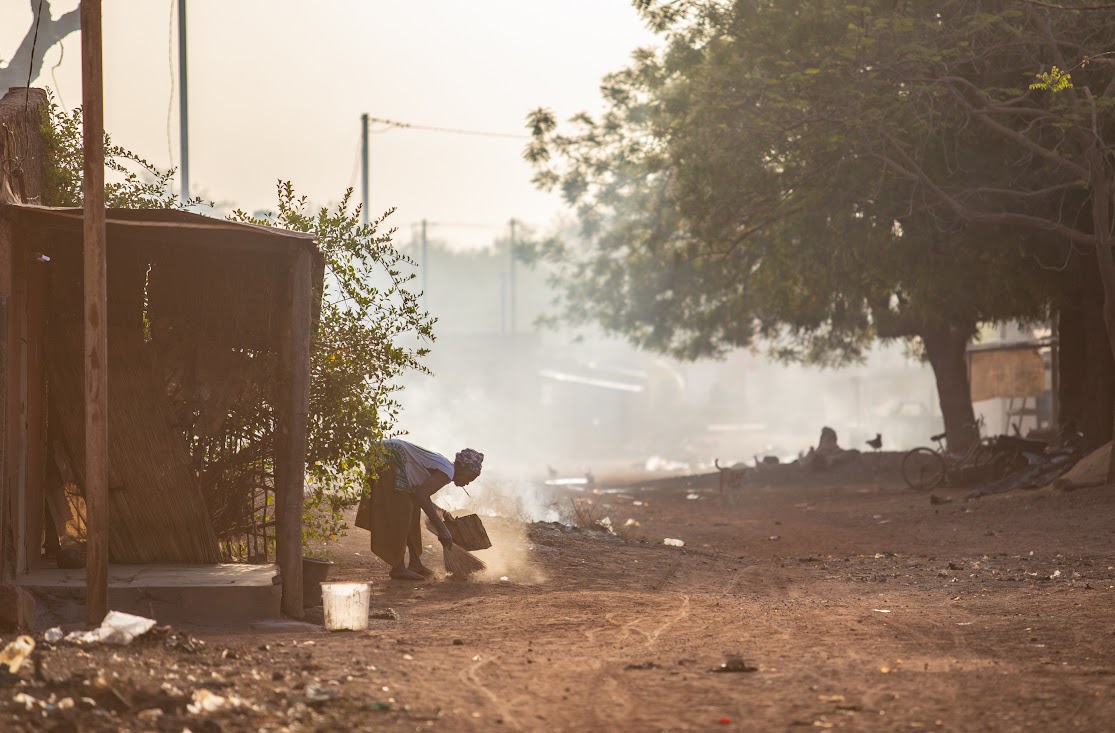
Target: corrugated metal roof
x=168, y=225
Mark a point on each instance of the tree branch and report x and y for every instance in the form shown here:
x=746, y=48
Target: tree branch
x=981, y=113
x=909, y=169
x=1077, y=9
x=51, y=32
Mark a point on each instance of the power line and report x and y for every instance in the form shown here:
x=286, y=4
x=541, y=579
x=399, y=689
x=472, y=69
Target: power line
x=170, y=74
x=460, y=224
x=452, y=130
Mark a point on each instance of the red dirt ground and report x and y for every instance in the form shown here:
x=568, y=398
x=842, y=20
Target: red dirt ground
x=861, y=605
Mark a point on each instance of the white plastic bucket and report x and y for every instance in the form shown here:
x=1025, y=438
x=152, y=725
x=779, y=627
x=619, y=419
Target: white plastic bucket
x=346, y=605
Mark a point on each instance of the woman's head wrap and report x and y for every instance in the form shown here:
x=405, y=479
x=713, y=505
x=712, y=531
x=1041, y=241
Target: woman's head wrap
x=470, y=460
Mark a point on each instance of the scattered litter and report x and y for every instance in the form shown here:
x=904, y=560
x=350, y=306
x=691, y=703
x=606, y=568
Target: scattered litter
x=183, y=641
x=205, y=701
x=149, y=715
x=881, y=610
x=16, y=653
x=963, y=623
x=691, y=497
x=317, y=693
x=725, y=720
x=53, y=635
x=27, y=701
x=606, y=525
x=734, y=663
x=774, y=537
x=387, y=614
x=636, y=503
x=503, y=579
x=631, y=523
x=1056, y=574
x=117, y=628
x=408, y=657
x=671, y=542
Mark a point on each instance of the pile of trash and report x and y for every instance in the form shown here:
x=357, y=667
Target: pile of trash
x=1033, y=464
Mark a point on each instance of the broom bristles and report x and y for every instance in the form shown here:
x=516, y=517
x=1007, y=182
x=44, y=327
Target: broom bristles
x=459, y=562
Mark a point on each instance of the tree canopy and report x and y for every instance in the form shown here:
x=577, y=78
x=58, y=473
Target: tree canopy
x=818, y=175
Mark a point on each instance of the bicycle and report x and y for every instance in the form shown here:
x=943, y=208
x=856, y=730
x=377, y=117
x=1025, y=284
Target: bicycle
x=926, y=468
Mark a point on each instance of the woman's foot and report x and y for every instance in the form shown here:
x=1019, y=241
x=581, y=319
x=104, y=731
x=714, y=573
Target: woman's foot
x=401, y=573
x=417, y=567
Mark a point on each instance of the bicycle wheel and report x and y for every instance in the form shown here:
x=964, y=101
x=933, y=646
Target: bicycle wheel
x=923, y=469
x=985, y=454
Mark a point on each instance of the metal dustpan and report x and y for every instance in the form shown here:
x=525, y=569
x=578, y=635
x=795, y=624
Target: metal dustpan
x=468, y=532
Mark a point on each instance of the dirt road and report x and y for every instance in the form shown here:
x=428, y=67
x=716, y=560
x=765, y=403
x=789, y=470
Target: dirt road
x=859, y=606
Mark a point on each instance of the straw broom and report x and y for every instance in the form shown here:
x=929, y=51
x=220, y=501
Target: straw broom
x=459, y=562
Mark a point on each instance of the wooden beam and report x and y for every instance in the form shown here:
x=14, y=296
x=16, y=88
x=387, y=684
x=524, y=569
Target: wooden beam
x=96, y=326
x=37, y=279
x=290, y=439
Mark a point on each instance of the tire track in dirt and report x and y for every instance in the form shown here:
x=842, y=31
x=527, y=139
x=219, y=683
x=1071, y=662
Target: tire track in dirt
x=614, y=693
x=469, y=676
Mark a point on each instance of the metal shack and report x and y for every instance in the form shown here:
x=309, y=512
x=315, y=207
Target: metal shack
x=206, y=317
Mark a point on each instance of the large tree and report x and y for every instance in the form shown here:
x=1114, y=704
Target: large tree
x=725, y=199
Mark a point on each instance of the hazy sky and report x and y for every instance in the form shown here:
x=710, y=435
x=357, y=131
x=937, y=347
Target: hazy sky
x=276, y=90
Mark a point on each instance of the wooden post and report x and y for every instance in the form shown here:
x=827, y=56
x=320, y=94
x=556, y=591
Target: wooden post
x=37, y=279
x=290, y=438
x=8, y=390
x=96, y=327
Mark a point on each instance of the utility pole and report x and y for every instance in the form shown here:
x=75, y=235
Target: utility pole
x=511, y=281
x=96, y=317
x=364, y=168
x=183, y=103
x=425, y=265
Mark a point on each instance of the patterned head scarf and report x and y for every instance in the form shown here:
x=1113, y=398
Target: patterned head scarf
x=470, y=460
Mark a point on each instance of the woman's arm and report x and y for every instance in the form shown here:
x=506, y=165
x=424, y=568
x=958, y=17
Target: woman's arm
x=424, y=496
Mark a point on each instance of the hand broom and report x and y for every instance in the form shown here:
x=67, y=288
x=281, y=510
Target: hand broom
x=459, y=562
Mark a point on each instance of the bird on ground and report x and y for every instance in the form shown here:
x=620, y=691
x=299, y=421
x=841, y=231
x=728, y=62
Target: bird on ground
x=876, y=442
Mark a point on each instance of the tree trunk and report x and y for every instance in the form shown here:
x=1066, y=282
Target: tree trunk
x=1087, y=373
x=945, y=347
x=1105, y=259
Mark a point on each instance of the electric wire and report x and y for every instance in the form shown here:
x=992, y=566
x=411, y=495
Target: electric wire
x=57, y=90
x=170, y=73
x=451, y=130
x=355, y=163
